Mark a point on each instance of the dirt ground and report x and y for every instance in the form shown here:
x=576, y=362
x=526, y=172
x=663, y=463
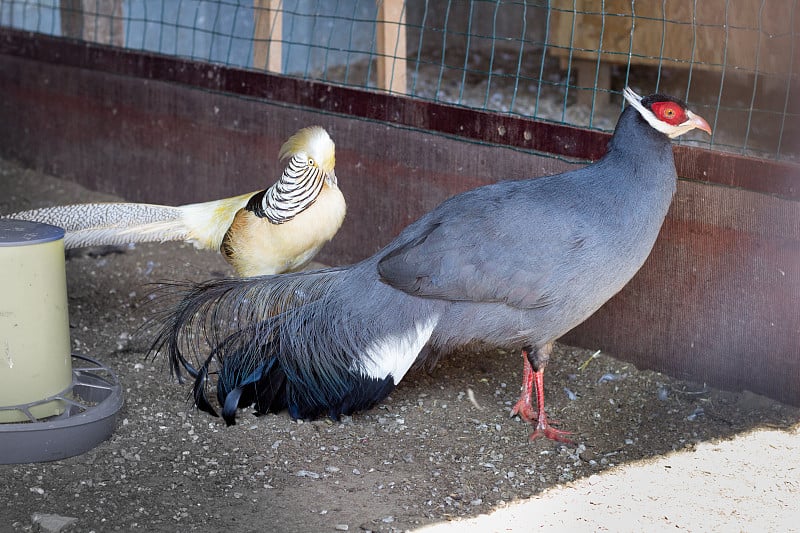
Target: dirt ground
x=653, y=453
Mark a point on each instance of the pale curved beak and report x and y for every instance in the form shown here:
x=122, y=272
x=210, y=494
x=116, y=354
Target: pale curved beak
x=331, y=177
x=698, y=122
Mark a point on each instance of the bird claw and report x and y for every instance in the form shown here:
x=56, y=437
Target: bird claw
x=525, y=411
x=543, y=428
x=549, y=432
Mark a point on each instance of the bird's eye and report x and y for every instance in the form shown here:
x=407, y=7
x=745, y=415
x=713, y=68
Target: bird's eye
x=669, y=112
x=311, y=162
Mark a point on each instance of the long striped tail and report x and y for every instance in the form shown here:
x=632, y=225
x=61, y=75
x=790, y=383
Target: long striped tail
x=111, y=223
x=275, y=341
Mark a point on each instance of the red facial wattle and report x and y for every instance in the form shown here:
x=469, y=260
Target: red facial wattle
x=669, y=112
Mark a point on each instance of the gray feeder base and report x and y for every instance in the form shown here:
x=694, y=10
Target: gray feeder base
x=92, y=403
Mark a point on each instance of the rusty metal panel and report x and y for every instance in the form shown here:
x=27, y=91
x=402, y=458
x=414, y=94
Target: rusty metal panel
x=716, y=302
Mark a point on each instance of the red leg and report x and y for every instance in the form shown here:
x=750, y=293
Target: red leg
x=543, y=428
x=524, y=407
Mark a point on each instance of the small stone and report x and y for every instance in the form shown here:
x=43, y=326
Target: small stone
x=52, y=523
x=587, y=455
x=342, y=527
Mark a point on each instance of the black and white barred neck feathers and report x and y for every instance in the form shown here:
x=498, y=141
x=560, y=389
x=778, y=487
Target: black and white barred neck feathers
x=312, y=162
x=297, y=189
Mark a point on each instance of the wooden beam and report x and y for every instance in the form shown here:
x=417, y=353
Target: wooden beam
x=268, y=35
x=391, y=45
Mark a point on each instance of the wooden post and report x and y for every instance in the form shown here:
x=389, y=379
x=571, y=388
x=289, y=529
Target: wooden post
x=96, y=20
x=391, y=45
x=585, y=73
x=71, y=18
x=267, y=35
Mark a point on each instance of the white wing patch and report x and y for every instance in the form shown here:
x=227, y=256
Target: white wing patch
x=396, y=353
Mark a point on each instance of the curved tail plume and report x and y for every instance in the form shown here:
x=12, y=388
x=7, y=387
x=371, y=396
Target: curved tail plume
x=277, y=342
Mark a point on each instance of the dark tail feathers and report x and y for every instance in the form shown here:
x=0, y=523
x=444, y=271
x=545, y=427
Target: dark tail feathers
x=272, y=342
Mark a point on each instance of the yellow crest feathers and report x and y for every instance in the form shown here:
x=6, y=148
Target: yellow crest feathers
x=315, y=142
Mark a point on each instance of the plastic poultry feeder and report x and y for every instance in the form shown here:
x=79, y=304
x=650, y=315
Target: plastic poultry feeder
x=52, y=404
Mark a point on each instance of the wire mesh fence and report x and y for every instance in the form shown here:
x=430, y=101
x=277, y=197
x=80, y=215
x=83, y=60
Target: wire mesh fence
x=735, y=61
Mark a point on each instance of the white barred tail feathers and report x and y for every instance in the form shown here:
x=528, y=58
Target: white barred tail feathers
x=113, y=223
x=105, y=223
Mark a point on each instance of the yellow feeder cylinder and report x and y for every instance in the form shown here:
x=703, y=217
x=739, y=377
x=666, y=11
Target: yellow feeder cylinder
x=35, y=360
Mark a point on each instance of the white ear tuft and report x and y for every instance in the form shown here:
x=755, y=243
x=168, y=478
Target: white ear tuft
x=631, y=96
x=636, y=102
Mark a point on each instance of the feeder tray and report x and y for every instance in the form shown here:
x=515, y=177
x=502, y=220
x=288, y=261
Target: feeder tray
x=91, y=404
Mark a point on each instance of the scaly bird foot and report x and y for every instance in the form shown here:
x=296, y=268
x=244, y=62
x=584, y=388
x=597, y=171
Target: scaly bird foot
x=525, y=411
x=549, y=432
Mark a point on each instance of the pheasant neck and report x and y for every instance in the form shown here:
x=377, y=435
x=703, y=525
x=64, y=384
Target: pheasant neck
x=297, y=189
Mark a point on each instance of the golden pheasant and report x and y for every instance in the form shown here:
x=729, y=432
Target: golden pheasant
x=276, y=230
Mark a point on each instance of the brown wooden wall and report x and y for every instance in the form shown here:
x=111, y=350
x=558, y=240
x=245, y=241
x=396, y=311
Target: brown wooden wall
x=718, y=301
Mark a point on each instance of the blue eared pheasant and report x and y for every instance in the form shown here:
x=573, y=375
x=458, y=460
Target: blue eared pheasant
x=515, y=264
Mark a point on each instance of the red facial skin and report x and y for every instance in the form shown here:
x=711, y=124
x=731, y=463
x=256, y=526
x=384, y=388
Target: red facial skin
x=669, y=112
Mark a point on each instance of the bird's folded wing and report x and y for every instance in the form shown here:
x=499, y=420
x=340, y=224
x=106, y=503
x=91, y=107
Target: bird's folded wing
x=465, y=261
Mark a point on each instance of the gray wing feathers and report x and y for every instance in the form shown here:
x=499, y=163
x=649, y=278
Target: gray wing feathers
x=465, y=267
x=111, y=223
x=476, y=247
